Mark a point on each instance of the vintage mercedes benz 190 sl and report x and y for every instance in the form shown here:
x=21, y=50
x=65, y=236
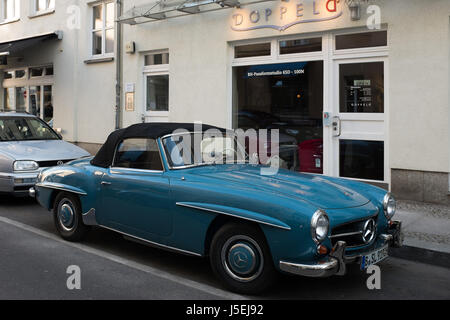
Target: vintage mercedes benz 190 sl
x=144, y=185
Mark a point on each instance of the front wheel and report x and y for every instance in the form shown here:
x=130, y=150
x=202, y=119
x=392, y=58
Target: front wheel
x=67, y=217
x=240, y=257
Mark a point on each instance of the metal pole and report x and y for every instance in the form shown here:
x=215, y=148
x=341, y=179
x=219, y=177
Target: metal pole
x=118, y=63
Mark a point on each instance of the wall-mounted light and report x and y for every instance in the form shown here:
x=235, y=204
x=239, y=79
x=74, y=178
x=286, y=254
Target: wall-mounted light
x=355, y=10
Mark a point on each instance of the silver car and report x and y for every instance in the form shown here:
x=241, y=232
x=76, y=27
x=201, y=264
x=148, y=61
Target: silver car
x=28, y=145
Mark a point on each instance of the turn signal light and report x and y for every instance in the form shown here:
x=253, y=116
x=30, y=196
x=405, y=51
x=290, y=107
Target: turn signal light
x=322, y=250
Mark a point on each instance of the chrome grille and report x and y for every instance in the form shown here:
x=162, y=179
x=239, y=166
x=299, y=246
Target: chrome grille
x=351, y=233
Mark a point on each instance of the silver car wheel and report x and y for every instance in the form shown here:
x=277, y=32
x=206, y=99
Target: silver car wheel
x=242, y=258
x=66, y=214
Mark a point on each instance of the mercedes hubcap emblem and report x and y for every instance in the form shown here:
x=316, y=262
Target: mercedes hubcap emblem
x=369, y=231
x=240, y=259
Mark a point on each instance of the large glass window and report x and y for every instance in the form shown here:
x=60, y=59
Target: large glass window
x=362, y=87
x=35, y=100
x=20, y=99
x=158, y=93
x=48, y=104
x=138, y=153
x=287, y=97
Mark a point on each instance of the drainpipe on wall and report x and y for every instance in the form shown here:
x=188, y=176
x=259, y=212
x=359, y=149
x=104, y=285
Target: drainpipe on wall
x=118, y=63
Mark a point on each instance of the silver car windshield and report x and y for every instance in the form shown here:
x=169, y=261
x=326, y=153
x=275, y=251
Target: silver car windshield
x=196, y=149
x=24, y=129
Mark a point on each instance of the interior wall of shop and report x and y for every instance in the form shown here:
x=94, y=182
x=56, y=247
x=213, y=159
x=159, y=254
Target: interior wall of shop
x=418, y=39
x=83, y=95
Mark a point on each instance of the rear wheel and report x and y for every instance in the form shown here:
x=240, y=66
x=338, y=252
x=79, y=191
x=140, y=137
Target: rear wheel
x=67, y=217
x=241, y=259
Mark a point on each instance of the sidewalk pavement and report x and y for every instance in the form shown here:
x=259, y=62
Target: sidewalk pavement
x=427, y=232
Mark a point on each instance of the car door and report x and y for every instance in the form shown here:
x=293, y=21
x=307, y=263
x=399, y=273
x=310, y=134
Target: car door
x=135, y=190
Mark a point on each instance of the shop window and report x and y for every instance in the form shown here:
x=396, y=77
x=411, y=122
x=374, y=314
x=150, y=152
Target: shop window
x=36, y=72
x=20, y=74
x=158, y=93
x=103, y=28
x=138, y=153
x=20, y=99
x=252, y=50
x=48, y=104
x=49, y=71
x=361, y=87
x=9, y=99
x=35, y=100
x=8, y=75
x=287, y=97
x=361, y=159
x=9, y=10
x=361, y=40
x=157, y=59
x=300, y=45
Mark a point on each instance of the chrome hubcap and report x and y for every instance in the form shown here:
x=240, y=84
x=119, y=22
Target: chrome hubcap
x=66, y=215
x=242, y=258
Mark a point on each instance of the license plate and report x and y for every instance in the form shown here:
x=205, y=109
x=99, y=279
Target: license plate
x=374, y=257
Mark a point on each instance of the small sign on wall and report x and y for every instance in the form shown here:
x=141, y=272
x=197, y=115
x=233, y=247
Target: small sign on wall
x=129, y=101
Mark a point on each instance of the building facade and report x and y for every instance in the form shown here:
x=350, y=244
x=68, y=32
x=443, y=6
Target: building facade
x=358, y=89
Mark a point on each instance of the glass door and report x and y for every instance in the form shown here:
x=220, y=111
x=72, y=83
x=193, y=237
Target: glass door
x=156, y=97
x=358, y=124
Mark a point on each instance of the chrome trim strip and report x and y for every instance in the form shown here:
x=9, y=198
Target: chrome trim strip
x=118, y=170
x=58, y=187
x=154, y=243
x=346, y=234
x=232, y=215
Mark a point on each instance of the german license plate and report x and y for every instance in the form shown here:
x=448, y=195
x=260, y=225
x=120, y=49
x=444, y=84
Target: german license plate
x=374, y=257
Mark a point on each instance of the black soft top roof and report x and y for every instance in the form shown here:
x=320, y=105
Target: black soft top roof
x=153, y=130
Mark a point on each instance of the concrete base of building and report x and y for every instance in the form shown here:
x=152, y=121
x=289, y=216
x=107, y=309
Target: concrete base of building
x=431, y=187
x=92, y=148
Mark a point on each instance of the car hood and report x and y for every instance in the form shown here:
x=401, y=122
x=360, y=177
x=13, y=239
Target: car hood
x=42, y=150
x=313, y=189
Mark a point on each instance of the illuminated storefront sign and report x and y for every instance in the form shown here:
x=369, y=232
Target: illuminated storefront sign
x=287, y=14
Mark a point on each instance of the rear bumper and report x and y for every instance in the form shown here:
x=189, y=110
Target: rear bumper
x=336, y=262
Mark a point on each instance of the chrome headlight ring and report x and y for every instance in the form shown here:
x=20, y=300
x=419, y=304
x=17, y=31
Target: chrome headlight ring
x=320, y=225
x=389, y=206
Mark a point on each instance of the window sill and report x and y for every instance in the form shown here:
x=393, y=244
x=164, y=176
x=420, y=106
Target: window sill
x=99, y=60
x=9, y=21
x=41, y=13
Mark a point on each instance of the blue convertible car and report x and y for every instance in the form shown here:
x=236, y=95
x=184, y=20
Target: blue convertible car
x=147, y=185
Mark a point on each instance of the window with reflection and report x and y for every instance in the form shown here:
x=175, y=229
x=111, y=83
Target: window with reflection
x=103, y=28
x=138, y=153
x=287, y=97
x=361, y=159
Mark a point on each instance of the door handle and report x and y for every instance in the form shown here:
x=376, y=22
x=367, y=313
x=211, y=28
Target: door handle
x=105, y=183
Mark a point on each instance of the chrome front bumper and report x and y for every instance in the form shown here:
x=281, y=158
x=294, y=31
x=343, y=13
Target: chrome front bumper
x=335, y=263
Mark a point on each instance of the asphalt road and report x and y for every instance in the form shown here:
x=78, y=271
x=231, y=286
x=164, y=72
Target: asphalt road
x=34, y=261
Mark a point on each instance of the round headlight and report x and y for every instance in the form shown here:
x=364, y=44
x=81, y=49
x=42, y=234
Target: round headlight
x=389, y=206
x=25, y=165
x=319, y=226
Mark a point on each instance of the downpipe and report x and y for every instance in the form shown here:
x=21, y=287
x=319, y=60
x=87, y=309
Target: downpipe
x=118, y=64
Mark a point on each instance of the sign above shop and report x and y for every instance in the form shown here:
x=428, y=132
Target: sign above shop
x=278, y=69
x=285, y=14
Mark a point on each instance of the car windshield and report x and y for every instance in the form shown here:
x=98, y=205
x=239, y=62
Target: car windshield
x=195, y=149
x=24, y=129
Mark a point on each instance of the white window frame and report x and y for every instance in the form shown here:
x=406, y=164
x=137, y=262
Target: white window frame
x=16, y=16
x=103, y=29
x=50, y=8
x=154, y=70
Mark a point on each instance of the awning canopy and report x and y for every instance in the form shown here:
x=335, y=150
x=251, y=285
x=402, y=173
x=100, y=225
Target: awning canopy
x=11, y=48
x=166, y=9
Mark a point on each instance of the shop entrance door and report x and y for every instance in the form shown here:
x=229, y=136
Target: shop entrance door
x=358, y=120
